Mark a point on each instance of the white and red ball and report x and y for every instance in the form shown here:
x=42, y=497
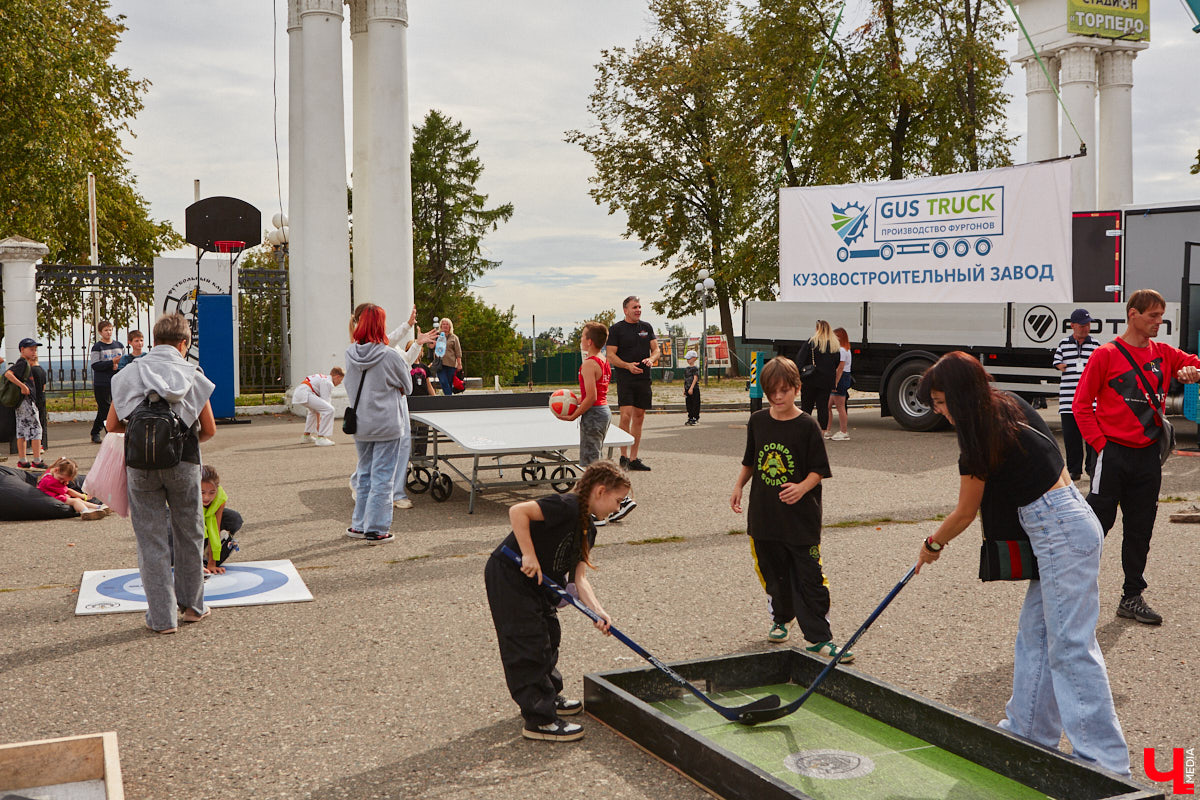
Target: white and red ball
x=563, y=403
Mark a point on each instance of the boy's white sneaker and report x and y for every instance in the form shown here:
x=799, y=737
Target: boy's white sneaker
x=402, y=503
x=840, y=437
x=323, y=441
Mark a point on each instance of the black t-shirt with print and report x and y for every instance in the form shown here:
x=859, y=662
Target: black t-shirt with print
x=555, y=539
x=632, y=340
x=1027, y=472
x=778, y=452
x=690, y=374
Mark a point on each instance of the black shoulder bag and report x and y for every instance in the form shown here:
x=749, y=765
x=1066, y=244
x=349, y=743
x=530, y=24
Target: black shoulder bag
x=809, y=370
x=350, y=418
x=1166, y=437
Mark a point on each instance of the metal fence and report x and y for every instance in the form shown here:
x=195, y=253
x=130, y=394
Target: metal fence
x=72, y=299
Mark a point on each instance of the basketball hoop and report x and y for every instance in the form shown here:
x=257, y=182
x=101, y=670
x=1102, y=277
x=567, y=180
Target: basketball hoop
x=229, y=246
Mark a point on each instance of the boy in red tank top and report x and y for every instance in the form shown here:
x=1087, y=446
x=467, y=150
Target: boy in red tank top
x=593, y=413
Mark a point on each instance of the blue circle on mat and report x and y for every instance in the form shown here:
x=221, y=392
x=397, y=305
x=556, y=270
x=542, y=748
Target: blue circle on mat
x=250, y=581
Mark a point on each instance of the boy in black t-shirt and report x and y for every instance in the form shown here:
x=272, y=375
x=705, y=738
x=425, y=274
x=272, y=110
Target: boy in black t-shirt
x=29, y=424
x=691, y=388
x=785, y=456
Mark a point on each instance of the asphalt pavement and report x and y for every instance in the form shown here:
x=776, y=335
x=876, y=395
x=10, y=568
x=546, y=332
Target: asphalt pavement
x=389, y=684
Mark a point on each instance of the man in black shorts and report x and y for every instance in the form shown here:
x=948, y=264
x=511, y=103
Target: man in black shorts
x=632, y=351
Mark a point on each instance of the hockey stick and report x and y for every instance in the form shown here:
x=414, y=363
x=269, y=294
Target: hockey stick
x=735, y=714
x=755, y=716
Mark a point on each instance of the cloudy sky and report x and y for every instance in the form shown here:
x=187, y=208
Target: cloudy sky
x=517, y=74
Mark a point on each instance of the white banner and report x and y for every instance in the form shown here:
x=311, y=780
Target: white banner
x=997, y=235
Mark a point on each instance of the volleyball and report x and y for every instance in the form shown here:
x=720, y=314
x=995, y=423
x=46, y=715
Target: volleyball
x=563, y=403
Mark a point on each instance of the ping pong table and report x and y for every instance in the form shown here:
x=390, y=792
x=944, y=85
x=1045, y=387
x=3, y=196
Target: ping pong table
x=513, y=431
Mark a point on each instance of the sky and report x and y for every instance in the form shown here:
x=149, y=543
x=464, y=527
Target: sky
x=517, y=74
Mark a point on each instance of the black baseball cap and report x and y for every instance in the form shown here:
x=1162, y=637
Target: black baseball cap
x=1080, y=316
x=27, y=342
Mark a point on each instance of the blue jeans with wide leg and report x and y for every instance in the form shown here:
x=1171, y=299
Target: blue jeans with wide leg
x=1060, y=683
x=375, y=483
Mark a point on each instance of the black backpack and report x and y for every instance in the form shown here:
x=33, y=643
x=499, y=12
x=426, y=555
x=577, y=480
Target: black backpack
x=154, y=435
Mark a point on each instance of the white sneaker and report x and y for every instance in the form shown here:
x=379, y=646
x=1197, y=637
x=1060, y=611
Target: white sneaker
x=402, y=503
x=306, y=438
x=840, y=437
x=827, y=435
x=322, y=441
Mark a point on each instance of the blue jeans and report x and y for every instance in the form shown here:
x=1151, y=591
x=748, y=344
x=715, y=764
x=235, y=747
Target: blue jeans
x=399, y=490
x=446, y=378
x=1060, y=683
x=374, y=483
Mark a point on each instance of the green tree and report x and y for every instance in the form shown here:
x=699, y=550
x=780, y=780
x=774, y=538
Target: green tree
x=64, y=107
x=450, y=216
x=605, y=318
x=670, y=151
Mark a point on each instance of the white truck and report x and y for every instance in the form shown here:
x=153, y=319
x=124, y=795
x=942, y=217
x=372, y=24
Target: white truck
x=893, y=343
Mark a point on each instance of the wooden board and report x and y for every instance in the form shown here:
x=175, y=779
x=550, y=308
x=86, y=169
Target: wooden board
x=71, y=759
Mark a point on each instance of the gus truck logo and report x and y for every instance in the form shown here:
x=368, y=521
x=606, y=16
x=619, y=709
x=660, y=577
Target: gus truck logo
x=918, y=224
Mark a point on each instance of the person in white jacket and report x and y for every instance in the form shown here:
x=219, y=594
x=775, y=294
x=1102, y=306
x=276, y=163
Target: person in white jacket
x=315, y=393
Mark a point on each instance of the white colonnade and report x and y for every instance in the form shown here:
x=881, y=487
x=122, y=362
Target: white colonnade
x=319, y=247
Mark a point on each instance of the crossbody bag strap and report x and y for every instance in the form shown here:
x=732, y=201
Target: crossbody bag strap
x=1143, y=381
x=361, y=381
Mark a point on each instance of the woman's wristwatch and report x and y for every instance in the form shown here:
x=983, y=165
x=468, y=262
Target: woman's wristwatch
x=932, y=546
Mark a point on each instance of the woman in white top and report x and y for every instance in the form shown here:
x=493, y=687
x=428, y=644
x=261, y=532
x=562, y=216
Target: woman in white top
x=841, y=391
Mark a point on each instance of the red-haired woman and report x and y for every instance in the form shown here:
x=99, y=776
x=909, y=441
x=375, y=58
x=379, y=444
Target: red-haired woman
x=377, y=380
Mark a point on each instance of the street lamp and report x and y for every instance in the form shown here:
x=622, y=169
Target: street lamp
x=277, y=237
x=702, y=286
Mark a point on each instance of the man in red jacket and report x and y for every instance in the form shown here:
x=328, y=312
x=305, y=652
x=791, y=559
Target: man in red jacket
x=1122, y=379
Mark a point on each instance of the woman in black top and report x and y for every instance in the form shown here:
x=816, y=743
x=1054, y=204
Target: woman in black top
x=1011, y=468
x=554, y=535
x=823, y=352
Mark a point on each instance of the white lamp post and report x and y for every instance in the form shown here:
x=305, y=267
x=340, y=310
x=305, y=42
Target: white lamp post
x=277, y=237
x=702, y=287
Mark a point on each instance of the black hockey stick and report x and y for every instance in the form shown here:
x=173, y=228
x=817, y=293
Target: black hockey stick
x=735, y=714
x=755, y=716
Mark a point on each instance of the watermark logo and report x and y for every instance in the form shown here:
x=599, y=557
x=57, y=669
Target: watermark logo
x=1183, y=769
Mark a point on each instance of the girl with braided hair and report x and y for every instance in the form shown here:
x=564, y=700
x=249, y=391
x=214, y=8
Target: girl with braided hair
x=554, y=535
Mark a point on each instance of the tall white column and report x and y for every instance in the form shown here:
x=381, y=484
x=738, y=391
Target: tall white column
x=360, y=241
x=326, y=253
x=387, y=279
x=1042, y=106
x=19, y=255
x=1077, y=84
x=297, y=289
x=1115, y=152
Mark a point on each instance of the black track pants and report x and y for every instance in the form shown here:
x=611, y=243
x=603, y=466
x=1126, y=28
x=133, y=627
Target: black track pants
x=692, y=401
x=528, y=633
x=103, y=395
x=1131, y=478
x=792, y=577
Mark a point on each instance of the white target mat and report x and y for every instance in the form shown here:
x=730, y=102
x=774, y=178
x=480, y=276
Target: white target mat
x=250, y=583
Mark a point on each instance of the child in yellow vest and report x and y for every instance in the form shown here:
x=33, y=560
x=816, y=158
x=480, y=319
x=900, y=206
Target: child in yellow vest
x=220, y=523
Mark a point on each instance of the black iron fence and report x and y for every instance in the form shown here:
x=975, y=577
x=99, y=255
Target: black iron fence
x=72, y=299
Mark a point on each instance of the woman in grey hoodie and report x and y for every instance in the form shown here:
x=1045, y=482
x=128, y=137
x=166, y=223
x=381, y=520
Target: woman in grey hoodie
x=383, y=376
x=165, y=503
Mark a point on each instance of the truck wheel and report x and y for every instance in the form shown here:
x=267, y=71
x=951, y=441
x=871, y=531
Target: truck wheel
x=940, y=249
x=911, y=413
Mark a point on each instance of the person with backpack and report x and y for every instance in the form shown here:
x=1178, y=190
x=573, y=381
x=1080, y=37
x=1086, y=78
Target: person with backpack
x=161, y=403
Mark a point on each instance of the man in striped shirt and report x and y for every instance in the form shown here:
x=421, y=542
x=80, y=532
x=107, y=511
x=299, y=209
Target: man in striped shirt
x=1070, y=357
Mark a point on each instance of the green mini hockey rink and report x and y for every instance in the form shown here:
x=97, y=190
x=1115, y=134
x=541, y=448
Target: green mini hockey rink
x=855, y=739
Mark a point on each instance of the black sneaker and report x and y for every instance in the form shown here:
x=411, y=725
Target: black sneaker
x=1135, y=608
x=624, y=462
x=599, y=522
x=557, y=731
x=375, y=537
x=354, y=533
x=627, y=505
x=566, y=707
x=95, y=438
x=637, y=466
